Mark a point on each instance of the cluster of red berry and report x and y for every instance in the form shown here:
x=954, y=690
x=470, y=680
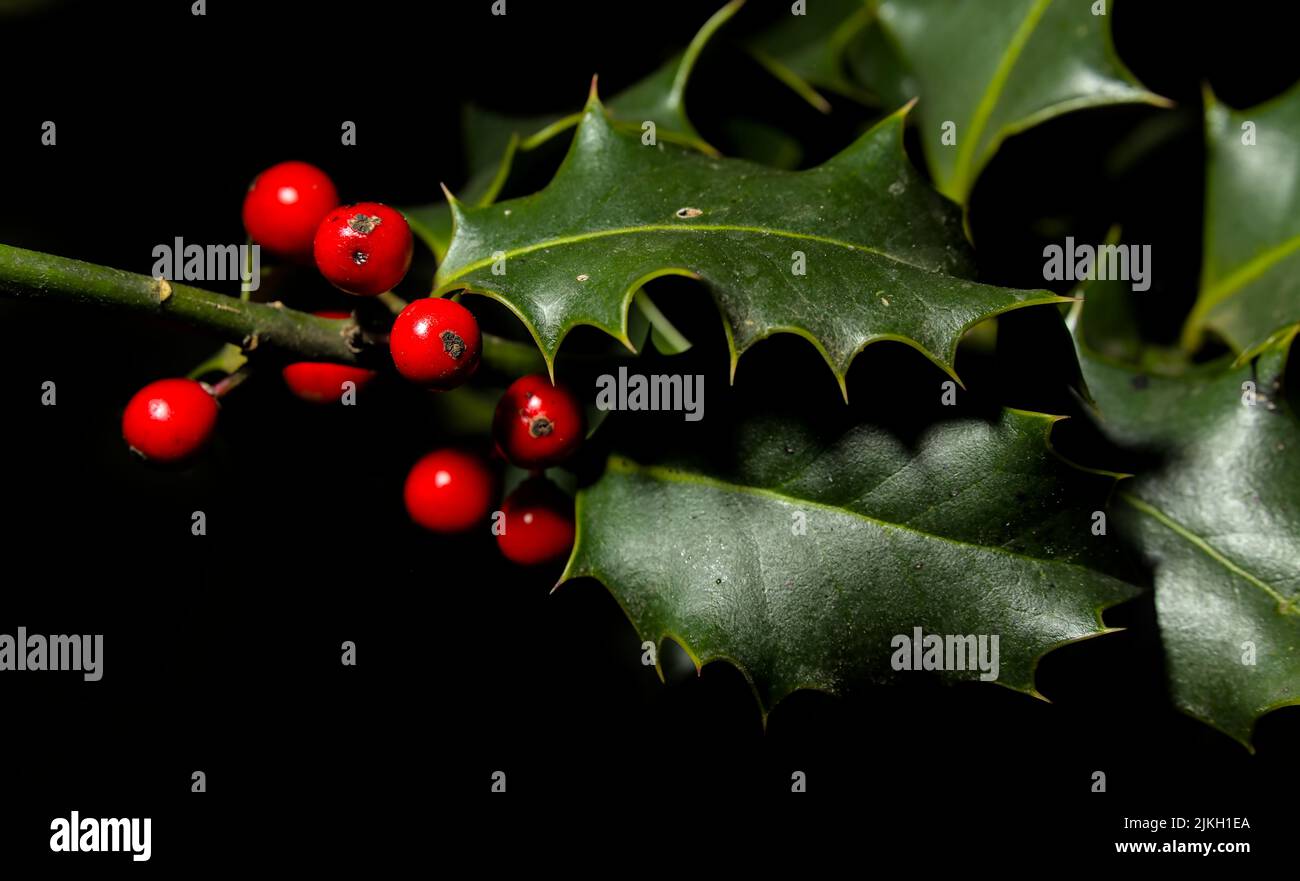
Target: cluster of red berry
x=537, y=424
x=292, y=209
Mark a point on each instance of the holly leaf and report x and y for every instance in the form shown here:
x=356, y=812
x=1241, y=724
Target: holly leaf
x=432, y=223
x=1250, y=276
x=763, y=143
x=492, y=140
x=808, y=51
x=854, y=251
x=1217, y=519
x=986, y=71
x=799, y=546
x=661, y=97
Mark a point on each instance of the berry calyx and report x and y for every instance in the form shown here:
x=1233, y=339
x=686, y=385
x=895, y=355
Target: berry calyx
x=538, y=523
x=537, y=424
x=320, y=382
x=436, y=342
x=364, y=249
x=448, y=491
x=169, y=420
x=284, y=207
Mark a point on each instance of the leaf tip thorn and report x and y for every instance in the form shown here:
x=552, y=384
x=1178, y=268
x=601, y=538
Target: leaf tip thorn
x=451, y=198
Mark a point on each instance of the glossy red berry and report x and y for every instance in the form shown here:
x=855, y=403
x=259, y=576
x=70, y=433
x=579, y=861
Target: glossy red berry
x=169, y=420
x=436, y=342
x=321, y=382
x=285, y=206
x=448, y=491
x=538, y=523
x=537, y=424
x=364, y=249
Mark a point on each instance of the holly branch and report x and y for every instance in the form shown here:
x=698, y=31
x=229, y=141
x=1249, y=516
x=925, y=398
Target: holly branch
x=251, y=325
x=246, y=324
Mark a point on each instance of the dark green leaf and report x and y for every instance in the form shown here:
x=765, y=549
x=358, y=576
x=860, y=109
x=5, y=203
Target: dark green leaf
x=762, y=143
x=492, y=139
x=995, y=69
x=661, y=97
x=1219, y=521
x=432, y=223
x=807, y=52
x=972, y=528
x=1250, y=277
x=883, y=253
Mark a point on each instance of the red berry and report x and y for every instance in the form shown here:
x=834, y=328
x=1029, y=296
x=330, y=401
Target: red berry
x=284, y=208
x=436, y=342
x=537, y=424
x=364, y=249
x=169, y=420
x=321, y=382
x=538, y=523
x=448, y=491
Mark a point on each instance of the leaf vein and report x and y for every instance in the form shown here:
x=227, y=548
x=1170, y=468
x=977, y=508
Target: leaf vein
x=1285, y=606
x=697, y=228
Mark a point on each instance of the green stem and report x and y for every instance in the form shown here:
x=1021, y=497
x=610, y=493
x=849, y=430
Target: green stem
x=510, y=357
x=26, y=273
x=668, y=339
x=227, y=360
x=394, y=303
x=231, y=382
x=245, y=324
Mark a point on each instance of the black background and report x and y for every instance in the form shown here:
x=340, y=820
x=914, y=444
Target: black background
x=222, y=652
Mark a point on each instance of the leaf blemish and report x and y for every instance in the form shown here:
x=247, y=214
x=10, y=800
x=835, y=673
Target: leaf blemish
x=686, y=213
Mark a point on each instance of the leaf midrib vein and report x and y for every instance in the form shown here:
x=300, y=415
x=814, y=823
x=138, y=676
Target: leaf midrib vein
x=993, y=92
x=1252, y=269
x=673, y=475
x=1205, y=547
x=632, y=230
